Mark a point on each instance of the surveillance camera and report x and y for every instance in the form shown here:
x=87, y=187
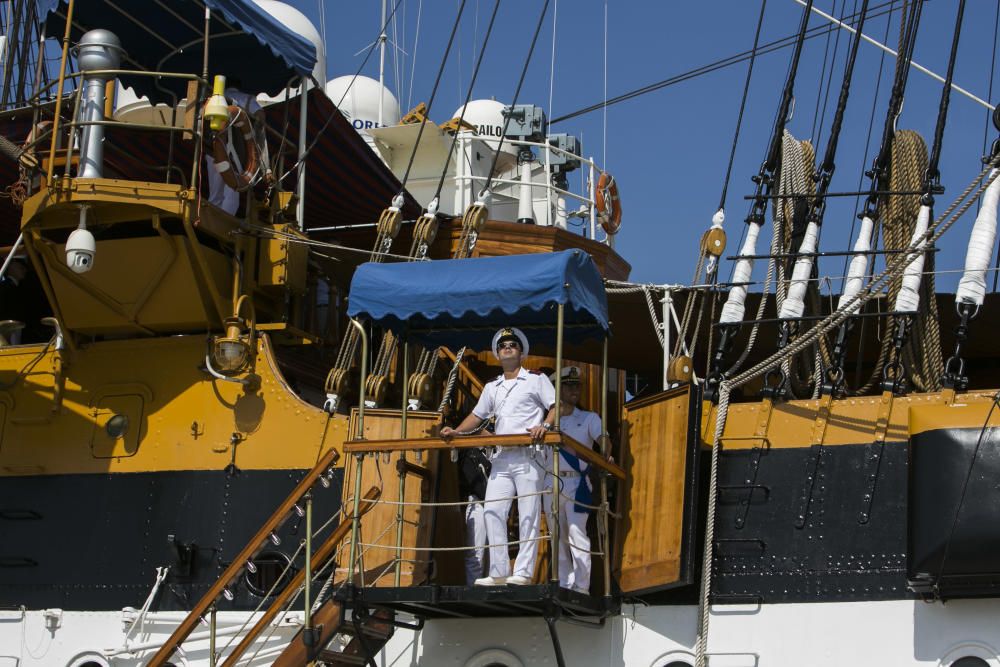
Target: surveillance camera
x=80, y=247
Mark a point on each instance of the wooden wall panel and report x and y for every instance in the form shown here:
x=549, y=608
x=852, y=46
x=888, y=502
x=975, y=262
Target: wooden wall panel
x=649, y=540
x=378, y=526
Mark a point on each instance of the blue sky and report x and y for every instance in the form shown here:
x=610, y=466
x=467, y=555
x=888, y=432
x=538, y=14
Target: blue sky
x=669, y=149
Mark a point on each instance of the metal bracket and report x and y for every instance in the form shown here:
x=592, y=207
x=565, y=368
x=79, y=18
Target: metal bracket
x=873, y=456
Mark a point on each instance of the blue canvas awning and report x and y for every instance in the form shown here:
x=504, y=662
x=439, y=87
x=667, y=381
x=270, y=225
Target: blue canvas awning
x=245, y=41
x=464, y=301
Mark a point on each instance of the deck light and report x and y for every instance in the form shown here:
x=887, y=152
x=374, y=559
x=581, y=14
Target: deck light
x=233, y=352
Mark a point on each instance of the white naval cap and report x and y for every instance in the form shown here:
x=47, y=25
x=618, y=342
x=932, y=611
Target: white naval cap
x=510, y=333
x=569, y=374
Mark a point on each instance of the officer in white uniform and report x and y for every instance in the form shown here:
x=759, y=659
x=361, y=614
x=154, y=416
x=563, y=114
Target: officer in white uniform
x=522, y=402
x=576, y=492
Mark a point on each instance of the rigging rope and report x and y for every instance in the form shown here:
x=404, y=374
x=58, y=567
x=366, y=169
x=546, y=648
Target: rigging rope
x=468, y=97
x=430, y=103
x=517, y=94
x=816, y=31
x=894, y=269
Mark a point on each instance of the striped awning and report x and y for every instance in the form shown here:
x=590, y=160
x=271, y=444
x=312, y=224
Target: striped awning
x=346, y=182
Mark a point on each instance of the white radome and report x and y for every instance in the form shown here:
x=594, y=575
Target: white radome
x=487, y=116
x=296, y=21
x=359, y=101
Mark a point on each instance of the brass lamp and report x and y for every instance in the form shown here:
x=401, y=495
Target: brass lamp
x=232, y=352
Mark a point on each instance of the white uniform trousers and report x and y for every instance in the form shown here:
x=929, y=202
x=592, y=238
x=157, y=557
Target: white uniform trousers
x=475, y=536
x=514, y=472
x=574, y=542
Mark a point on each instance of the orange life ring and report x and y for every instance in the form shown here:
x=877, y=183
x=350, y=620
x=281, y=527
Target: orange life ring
x=609, y=205
x=224, y=154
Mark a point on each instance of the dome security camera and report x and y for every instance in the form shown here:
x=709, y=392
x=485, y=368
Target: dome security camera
x=80, y=249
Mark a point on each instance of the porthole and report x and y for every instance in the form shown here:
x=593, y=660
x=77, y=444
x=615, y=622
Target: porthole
x=970, y=661
x=269, y=566
x=494, y=657
x=88, y=660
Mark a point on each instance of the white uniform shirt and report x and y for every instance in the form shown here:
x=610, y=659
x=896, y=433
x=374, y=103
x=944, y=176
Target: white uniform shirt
x=583, y=426
x=518, y=404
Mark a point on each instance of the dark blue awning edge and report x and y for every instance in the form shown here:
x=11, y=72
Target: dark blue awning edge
x=463, y=302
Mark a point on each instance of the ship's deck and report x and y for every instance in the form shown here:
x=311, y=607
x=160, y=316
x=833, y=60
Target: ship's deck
x=424, y=602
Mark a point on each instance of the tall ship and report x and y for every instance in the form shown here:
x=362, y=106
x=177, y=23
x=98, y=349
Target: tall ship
x=246, y=315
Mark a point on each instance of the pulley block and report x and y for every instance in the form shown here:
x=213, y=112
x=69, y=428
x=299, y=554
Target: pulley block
x=426, y=229
x=681, y=369
x=475, y=217
x=389, y=222
x=375, y=387
x=713, y=241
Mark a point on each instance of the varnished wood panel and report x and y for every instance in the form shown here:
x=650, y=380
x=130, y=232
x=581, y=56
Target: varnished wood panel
x=649, y=540
x=378, y=526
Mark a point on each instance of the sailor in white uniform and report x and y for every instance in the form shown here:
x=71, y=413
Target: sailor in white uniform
x=522, y=402
x=575, y=488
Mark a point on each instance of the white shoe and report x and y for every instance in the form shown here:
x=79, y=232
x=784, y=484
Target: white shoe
x=518, y=581
x=492, y=581
x=581, y=590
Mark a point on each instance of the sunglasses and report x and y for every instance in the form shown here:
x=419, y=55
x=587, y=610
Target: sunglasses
x=509, y=345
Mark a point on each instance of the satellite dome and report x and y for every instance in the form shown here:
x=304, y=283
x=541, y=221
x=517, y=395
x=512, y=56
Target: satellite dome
x=359, y=101
x=296, y=21
x=487, y=116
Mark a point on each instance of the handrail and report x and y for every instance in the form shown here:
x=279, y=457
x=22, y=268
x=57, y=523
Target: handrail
x=319, y=559
x=551, y=440
x=278, y=518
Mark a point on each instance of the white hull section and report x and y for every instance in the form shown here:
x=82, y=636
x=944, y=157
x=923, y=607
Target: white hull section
x=896, y=633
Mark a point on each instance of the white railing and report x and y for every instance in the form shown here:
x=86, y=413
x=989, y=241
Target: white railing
x=465, y=183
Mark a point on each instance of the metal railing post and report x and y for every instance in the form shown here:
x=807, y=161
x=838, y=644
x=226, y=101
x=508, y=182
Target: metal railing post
x=667, y=302
x=401, y=464
x=605, y=445
x=359, y=458
x=556, y=481
x=59, y=92
x=307, y=582
x=212, y=654
x=592, y=189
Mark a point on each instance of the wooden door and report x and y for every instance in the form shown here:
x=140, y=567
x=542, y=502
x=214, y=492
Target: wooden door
x=655, y=539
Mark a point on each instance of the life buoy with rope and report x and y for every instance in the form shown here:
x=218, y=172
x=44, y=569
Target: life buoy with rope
x=609, y=205
x=238, y=173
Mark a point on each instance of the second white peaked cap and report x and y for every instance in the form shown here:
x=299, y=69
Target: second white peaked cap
x=569, y=374
x=507, y=332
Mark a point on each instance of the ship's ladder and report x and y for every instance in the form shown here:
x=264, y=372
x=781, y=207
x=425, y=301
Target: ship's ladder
x=366, y=633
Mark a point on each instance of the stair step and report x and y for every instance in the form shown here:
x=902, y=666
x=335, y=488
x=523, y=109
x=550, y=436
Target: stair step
x=337, y=659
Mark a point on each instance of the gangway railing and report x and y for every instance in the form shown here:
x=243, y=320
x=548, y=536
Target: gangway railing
x=553, y=442
x=288, y=508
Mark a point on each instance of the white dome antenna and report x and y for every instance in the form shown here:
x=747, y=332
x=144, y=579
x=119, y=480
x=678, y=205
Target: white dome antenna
x=358, y=99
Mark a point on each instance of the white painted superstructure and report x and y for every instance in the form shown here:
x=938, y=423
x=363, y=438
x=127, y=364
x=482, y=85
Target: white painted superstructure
x=900, y=633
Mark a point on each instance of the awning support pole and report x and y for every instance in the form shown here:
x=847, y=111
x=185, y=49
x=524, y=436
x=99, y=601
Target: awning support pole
x=300, y=190
x=667, y=302
x=605, y=446
x=554, y=528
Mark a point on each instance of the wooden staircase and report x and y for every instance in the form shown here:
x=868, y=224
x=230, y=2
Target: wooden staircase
x=330, y=615
x=363, y=637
